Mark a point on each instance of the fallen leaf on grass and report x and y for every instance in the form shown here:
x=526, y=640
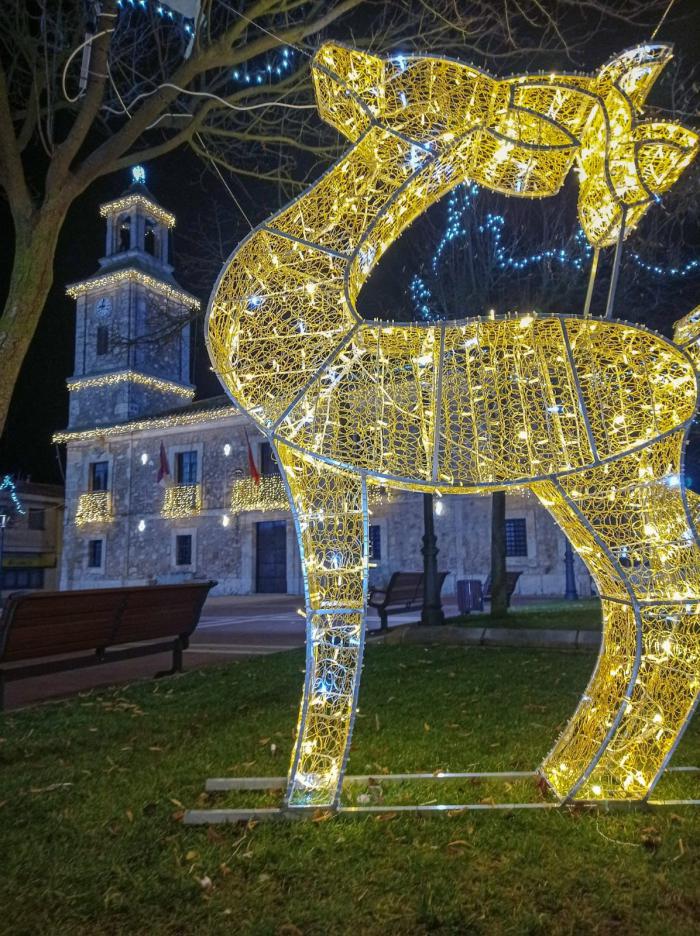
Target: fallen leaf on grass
x=192, y=855
x=50, y=788
x=176, y=802
x=178, y=815
x=650, y=838
x=206, y=882
x=129, y=815
x=289, y=929
x=321, y=815
x=385, y=817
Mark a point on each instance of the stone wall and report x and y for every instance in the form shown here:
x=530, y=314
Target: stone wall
x=227, y=552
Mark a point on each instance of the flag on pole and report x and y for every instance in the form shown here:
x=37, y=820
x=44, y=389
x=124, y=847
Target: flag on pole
x=252, y=467
x=164, y=477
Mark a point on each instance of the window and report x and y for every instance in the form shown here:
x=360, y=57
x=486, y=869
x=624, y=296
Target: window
x=375, y=542
x=36, y=518
x=22, y=578
x=516, y=537
x=183, y=549
x=99, y=476
x=268, y=463
x=124, y=232
x=186, y=468
x=102, y=340
x=95, y=554
x=149, y=238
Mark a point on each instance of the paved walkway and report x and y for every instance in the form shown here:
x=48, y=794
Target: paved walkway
x=232, y=627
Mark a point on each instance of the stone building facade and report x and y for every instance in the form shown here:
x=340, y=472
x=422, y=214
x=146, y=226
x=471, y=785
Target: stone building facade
x=131, y=416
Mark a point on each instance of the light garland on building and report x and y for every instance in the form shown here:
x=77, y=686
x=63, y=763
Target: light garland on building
x=110, y=280
x=129, y=376
x=8, y=484
x=589, y=414
x=174, y=421
x=94, y=507
x=136, y=200
x=267, y=494
x=182, y=500
x=270, y=494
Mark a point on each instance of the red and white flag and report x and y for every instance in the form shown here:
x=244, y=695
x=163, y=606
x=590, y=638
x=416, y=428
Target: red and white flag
x=252, y=467
x=164, y=477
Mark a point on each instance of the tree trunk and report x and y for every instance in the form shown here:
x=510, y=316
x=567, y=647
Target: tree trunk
x=499, y=590
x=30, y=282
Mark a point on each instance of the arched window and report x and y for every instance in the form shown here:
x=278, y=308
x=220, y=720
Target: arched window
x=102, y=340
x=150, y=238
x=124, y=232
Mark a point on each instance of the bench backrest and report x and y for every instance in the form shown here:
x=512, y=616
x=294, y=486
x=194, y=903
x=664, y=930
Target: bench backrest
x=41, y=624
x=407, y=587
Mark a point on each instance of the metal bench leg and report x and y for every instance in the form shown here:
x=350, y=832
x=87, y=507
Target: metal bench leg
x=2, y=691
x=177, y=661
x=384, y=620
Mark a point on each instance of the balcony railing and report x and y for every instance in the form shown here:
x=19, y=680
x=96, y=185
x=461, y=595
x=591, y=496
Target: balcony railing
x=182, y=500
x=270, y=494
x=94, y=507
x=267, y=494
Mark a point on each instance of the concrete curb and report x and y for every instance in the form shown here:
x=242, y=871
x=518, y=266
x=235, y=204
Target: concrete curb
x=492, y=637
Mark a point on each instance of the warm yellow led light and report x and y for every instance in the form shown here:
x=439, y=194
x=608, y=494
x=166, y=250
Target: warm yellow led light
x=182, y=500
x=126, y=202
x=588, y=414
x=94, y=507
x=110, y=280
x=117, y=377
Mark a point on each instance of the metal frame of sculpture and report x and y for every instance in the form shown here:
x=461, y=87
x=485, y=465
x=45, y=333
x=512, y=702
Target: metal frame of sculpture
x=589, y=414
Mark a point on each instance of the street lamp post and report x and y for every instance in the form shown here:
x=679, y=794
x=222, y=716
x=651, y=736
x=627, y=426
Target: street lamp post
x=432, y=612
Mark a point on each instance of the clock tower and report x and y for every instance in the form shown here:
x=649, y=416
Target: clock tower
x=132, y=334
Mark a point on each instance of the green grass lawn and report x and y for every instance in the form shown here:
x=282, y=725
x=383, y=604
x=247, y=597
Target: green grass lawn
x=92, y=792
x=557, y=615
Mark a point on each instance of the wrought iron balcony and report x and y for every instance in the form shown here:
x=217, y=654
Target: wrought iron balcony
x=94, y=507
x=182, y=500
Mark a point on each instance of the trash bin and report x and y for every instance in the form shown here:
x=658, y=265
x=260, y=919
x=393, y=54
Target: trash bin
x=470, y=596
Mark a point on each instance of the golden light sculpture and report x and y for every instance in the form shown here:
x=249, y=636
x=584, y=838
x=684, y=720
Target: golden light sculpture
x=590, y=414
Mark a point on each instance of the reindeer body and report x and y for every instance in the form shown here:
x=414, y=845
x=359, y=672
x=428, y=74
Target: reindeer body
x=589, y=414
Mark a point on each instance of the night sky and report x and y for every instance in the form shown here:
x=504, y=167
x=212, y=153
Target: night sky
x=179, y=182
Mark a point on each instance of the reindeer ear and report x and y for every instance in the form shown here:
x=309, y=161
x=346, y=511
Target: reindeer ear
x=664, y=150
x=634, y=72
x=349, y=88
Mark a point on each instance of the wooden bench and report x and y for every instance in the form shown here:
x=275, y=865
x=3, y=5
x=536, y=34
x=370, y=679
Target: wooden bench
x=511, y=582
x=403, y=593
x=82, y=626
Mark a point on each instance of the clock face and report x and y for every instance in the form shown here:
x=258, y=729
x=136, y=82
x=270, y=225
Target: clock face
x=103, y=307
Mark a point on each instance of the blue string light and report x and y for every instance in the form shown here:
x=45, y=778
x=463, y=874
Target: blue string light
x=462, y=199
x=268, y=72
x=8, y=484
x=162, y=9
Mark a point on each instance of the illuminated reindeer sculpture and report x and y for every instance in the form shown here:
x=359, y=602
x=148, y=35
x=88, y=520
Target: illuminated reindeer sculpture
x=590, y=414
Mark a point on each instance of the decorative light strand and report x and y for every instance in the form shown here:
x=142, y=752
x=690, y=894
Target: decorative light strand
x=8, y=484
x=175, y=420
x=109, y=280
x=127, y=202
x=94, y=507
x=130, y=376
x=182, y=500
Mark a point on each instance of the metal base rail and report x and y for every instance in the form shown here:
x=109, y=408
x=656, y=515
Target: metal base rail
x=269, y=813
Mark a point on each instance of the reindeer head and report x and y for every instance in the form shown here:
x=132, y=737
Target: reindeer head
x=520, y=135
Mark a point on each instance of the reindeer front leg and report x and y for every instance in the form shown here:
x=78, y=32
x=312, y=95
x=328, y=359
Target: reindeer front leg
x=330, y=513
